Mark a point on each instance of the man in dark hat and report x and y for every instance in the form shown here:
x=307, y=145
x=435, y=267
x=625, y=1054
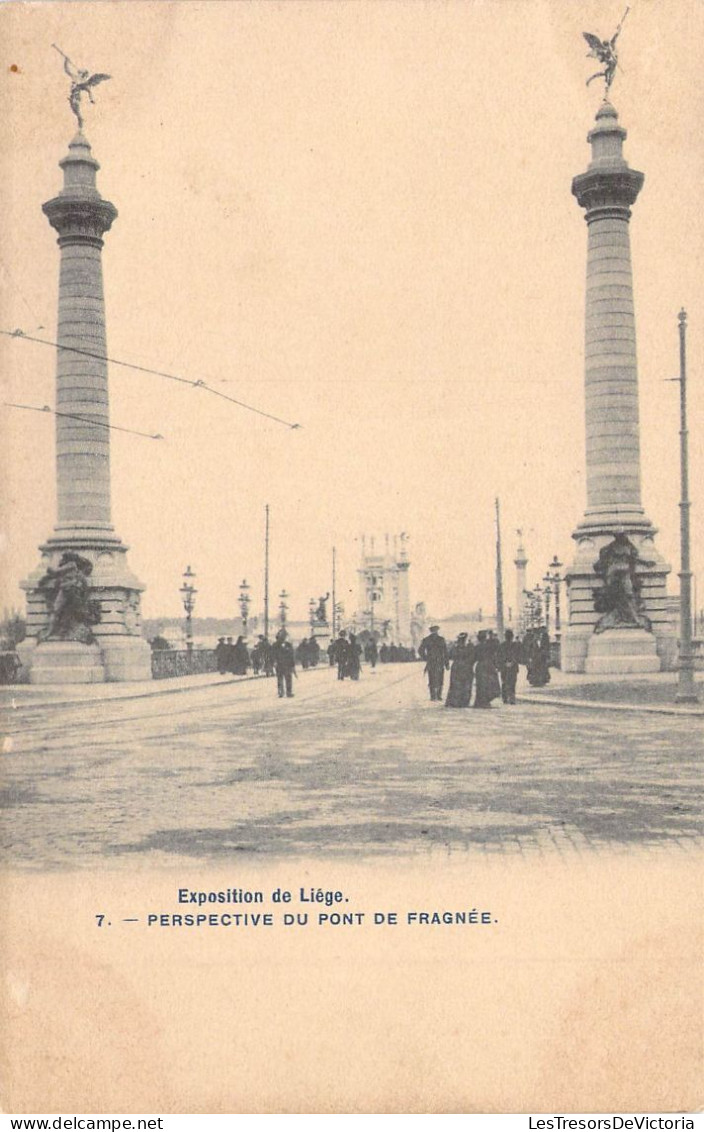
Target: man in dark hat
x=341, y=654
x=284, y=663
x=433, y=650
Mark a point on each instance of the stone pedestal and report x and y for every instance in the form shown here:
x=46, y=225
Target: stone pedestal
x=81, y=217
x=66, y=662
x=620, y=651
x=606, y=191
x=321, y=633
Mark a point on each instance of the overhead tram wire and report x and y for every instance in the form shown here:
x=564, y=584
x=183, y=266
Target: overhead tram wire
x=198, y=384
x=87, y=420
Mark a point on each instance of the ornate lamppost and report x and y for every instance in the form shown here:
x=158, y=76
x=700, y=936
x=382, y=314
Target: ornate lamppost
x=339, y=610
x=188, y=596
x=283, y=608
x=547, y=593
x=556, y=578
x=245, y=599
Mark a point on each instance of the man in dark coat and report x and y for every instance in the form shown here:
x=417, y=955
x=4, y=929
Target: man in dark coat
x=508, y=658
x=341, y=654
x=433, y=650
x=284, y=663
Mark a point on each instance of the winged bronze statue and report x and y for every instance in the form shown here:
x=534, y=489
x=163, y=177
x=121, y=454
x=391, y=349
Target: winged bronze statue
x=82, y=82
x=605, y=51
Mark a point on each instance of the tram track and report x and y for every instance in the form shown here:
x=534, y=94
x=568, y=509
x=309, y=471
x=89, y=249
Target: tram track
x=54, y=732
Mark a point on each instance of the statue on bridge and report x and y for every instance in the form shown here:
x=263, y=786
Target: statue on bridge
x=605, y=51
x=618, y=599
x=82, y=83
x=66, y=591
x=321, y=613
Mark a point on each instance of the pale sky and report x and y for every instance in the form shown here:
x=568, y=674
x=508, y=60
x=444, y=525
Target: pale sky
x=356, y=216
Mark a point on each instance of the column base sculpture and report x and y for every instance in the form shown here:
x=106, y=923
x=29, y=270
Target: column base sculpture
x=84, y=597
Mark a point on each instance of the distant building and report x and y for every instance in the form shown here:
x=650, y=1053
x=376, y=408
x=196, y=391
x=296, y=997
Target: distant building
x=383, y=602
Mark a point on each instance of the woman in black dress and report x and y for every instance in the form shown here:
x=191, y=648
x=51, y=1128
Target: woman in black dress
x=485, y=672
x=461, y=674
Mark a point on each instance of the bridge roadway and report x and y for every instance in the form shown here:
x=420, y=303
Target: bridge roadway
x=362, y=770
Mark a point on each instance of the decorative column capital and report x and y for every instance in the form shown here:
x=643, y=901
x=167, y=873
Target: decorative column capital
x=609, y=187
x=604, y=194
x=79, y=221
x=79, y=214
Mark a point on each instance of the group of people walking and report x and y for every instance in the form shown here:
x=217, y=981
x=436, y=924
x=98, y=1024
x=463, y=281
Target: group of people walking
x=232, y=657
x=238, y=659
x=489, y=666
x=346, y=653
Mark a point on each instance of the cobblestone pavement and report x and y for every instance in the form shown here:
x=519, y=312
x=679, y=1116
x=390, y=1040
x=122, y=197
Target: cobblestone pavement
x=220, y=772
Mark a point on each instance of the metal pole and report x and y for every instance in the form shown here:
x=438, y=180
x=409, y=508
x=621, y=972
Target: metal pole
x=334, y=594
x=266, y=574
x=686, y=690
x=499, y=579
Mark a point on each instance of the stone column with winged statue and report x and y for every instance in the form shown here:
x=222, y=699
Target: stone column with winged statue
x=619, y=615
x=83, y=602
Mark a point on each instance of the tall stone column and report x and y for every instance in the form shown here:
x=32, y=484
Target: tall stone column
x=108, y=644
x=606, y=191
x=521, y=563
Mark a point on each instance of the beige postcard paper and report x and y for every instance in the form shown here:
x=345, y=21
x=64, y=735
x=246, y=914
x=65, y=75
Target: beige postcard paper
x=345, y=281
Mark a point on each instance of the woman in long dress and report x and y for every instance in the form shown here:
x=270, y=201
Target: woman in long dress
x=240, y=658
x=485, y=672
x=461, y=674
x=353, y=654
x=538, y=669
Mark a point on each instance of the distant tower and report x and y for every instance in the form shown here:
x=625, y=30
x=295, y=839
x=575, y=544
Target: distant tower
x=117, y=651
x=520, y=562
x=606, y=191
x=383, y=590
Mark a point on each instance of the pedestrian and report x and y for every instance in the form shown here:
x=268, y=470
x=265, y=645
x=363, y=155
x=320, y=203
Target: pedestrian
x=240, y=658
x=257, y=656
x=508, y=659
x=538, y=659
x=371, y=653
x=341, y=654
x=313, y=653
x=284, y=663
x=267, y=656
x=302, y=655
x=461, y=673
x=229, y=655
x=221, y=656
x=331, y=654
x=433, y=650
x=485, y=674
x=354, y=652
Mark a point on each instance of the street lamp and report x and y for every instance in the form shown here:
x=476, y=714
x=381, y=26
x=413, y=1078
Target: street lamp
x=188, y=596
x=548, y=594
x=339, y=611
x=283, y=608
x=556, y=566
x=245, y=600
x=538, y=594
